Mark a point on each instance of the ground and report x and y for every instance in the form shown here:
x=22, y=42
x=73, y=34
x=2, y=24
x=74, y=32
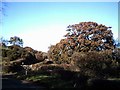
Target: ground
x=9, y=82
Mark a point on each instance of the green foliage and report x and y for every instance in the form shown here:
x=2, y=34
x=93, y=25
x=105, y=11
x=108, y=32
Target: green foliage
x=13, y=55
x=4, y=52
x=13, y=52
x=16, y=52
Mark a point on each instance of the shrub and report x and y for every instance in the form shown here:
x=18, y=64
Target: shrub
x=13, y=55
x=12, y=68
x=96, y=64
x=4, y=52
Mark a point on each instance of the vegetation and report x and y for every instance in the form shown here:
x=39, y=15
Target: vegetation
x=82, y=37
x=86, y=56
x=14, y=55
x=90, y=47
x=97, y=64
x=13, y=41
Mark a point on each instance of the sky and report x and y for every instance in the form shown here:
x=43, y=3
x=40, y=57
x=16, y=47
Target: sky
x=42, y=24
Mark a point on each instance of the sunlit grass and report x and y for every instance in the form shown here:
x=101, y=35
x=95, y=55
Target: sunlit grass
x=38, y=77
x=113, y=78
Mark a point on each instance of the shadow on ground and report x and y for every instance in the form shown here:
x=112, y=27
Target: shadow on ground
x=9, y=82
x=94, y=84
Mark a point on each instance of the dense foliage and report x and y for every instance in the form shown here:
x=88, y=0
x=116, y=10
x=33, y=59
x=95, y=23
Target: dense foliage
x=97, y=64
x=90, y=47
x=85, y=36
x=15, y=55
x=86, y=58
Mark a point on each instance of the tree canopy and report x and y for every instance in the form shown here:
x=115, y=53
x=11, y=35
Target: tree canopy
x=12, y=41
x=83, y=37
x=90, y=36
x=16, y=41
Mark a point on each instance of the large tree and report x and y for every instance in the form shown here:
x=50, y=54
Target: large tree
x=90, y=36
x=82, y=37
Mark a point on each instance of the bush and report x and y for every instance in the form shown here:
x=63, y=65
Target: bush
x=4, y=52
x=12, y=68
x=13, y=55
x=96, y=64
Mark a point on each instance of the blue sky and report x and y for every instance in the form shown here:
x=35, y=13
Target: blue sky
x=41, y=24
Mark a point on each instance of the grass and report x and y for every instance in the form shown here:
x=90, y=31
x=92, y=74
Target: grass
x=114, y=79
x=38, y=77
x=47, y=80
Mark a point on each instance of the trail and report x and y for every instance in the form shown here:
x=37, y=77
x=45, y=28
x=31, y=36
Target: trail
x=9, y=82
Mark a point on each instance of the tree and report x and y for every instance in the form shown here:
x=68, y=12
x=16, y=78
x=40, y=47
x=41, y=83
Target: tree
x=82, y=37
x=90, y=36
x=16, y=41
x=13, y=41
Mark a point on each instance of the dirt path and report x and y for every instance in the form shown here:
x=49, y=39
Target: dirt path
x=9, y=82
